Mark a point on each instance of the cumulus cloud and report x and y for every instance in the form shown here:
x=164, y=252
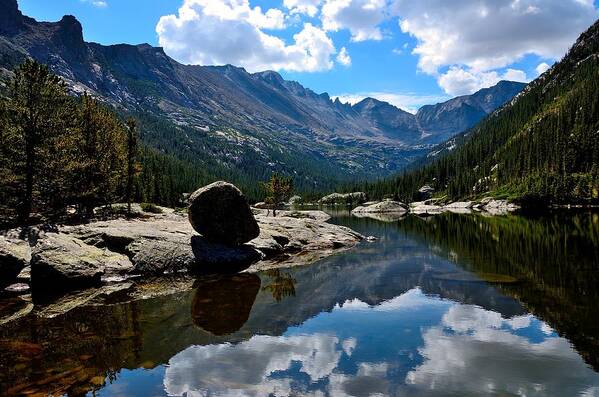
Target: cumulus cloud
x=215, y=32
x=343, y=57
x=542, y=68
x=491, y=34
x=308, y=7
x=461, y=81
x=360, y=17
x=476, y=37
x=405, y=101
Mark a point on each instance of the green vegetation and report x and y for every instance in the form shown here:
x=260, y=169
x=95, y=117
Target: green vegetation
x=544, y=147
x=278, y=189
x=150, y=207
x=56, y=152
x=59, y=154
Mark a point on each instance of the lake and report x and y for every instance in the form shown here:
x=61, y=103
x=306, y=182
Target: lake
x=451, y=305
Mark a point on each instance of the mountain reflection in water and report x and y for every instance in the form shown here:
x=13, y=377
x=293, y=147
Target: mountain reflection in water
x=458, y=305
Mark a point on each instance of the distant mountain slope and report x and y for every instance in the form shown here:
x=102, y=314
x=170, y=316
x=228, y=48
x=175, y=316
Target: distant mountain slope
x=445, y=120
x=248, y=124
x=543, y=145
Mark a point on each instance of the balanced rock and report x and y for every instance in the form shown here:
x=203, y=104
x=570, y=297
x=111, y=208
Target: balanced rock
x=221, y=213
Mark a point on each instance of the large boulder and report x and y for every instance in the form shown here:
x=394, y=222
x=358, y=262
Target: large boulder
x=221, y=213
x=62, y=262
x=14, y=257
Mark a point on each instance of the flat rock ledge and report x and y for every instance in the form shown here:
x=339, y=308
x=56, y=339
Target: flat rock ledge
x=122, y=250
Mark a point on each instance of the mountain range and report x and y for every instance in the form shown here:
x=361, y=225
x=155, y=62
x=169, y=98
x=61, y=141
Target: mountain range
x=246, y=123
x=542, y=147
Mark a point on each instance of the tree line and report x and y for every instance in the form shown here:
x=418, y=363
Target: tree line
x=542, y=148
x=59, y=153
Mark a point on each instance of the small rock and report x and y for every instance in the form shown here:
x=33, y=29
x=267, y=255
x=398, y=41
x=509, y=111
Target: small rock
x=221, y=214
x=295, y=200
x=18, y=288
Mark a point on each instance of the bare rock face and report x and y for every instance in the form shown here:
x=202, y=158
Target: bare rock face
x=221, y=213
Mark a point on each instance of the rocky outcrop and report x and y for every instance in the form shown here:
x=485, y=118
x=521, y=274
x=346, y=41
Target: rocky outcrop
x=385, y=211
x=498, y=207
x=61, y=261
x=422, y=208
x=14, y=257
x=426, y=192
x=344, y=198
x=382, y=207
x=166, y=243
x=295, y=200
x=221, y=213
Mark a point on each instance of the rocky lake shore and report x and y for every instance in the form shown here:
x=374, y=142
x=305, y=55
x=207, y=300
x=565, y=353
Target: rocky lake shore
x=66, y=266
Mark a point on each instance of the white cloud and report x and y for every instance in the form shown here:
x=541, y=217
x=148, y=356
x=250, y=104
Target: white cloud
x=405, y=101
x=477, y=37
x=308, y=7
x=491, y=34
x=216, y=32
x=461, y=81
x=360, y=17
x=343, y=57
x=96, y=3
x=542, y=68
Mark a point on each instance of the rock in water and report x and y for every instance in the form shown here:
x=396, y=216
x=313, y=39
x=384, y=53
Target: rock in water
x=221, y=213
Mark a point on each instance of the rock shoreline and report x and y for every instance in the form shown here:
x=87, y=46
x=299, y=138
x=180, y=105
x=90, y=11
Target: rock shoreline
x=390, y=211
x=121, y=250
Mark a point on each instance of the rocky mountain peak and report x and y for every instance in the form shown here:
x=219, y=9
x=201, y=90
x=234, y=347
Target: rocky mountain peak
x=10, y=17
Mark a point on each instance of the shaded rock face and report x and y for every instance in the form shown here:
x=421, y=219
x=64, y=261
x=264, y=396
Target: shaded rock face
x=222, y=306
x=10, y=16
x=221, y=213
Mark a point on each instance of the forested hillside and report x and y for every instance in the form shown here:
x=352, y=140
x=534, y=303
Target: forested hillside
x=543, y=145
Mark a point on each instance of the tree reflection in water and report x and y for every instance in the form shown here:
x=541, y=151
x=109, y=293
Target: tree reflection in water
x=282, y=285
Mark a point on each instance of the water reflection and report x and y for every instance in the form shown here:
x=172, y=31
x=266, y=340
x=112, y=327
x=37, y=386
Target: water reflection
x=450, y=305
x=222, y=305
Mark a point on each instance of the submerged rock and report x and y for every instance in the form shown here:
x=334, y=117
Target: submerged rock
x=221, y=213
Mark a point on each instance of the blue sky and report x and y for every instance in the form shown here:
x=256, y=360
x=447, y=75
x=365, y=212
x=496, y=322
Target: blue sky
x=408, y=53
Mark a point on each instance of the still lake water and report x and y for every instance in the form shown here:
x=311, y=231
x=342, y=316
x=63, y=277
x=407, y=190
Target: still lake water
x=452, y=305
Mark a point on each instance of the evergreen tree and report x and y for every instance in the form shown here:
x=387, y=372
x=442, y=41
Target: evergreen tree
x=278, y=189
